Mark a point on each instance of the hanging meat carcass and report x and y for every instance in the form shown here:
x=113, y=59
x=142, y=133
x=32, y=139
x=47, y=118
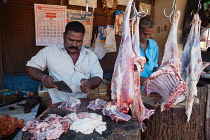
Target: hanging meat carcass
x=125, y=84
x=139, y=111
x=192, y=64
x=122, y=84
x=167, y=81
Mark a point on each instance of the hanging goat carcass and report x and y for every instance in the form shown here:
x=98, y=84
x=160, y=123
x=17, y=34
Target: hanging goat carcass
x=167, y=81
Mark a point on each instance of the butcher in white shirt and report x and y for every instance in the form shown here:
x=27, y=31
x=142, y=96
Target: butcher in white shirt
x=71, y=62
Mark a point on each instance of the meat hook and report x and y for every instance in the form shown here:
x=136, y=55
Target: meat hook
x=172, y=12
x=199, y=6
x=140, y=13
x=134, y=9
x=87, y=12
x=198, y=9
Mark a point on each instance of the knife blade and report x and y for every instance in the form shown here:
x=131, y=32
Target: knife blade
x=62, y=86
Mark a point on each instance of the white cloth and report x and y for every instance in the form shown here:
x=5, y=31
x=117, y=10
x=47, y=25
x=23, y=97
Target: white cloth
x=61, y=67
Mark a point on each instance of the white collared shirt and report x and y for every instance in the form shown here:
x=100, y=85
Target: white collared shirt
x=61, y=67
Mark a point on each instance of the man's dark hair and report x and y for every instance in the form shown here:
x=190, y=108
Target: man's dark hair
x=146, y=22
x=75, y=26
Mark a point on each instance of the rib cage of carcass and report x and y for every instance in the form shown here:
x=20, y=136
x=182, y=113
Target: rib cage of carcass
x=167, y=81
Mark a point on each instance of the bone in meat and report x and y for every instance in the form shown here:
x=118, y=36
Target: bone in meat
x=113, y=112
x=167, y=81
x=71, y=104
x=192, y=64
x=97, y=104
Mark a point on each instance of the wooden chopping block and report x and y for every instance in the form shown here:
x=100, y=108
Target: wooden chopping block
x=207, y=124
x=172, y=125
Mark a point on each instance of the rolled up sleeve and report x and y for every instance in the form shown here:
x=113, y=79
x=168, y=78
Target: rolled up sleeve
x=39, y=60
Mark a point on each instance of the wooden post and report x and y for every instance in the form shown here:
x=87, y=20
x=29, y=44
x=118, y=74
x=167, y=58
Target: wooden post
x=172, y=125
x=207, y=124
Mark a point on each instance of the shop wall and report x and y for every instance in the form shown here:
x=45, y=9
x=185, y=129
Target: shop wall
x=17, y=35
x=163, y=24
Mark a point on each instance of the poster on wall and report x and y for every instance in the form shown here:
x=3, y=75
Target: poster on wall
x=50, y=21
x=75, y=15
x=91, y=3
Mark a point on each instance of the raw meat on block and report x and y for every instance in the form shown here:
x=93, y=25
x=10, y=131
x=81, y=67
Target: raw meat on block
x=113, y=112
x=97, y=104
x=71, y=104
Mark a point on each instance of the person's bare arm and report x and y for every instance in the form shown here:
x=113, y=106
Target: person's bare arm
x=38, y=75
x=87, y=84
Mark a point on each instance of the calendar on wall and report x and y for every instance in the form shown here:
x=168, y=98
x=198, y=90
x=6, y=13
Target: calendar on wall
x=50, y=22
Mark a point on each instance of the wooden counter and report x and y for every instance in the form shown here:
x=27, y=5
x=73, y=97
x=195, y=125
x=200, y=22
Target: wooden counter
x=120, y=131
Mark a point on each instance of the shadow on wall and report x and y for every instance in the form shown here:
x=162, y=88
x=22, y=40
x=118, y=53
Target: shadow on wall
x=20, y=82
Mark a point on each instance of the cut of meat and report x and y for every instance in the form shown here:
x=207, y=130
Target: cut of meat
x=97, y=104
x=192, y=63
x=113, y=112
x=72, y=104
x=167, y=81
x=88, y=122
x=50, y=128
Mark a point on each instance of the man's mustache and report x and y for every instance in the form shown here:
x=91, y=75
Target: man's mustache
x=73, y=47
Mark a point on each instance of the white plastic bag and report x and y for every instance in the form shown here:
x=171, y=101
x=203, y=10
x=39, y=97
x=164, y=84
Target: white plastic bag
x=110, y=42
x=99, y=49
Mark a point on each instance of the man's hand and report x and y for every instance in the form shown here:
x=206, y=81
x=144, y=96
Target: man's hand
x=85, y=85
x=47, y=82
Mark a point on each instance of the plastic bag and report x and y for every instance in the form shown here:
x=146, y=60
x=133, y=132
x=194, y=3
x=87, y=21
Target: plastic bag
x=99, y=49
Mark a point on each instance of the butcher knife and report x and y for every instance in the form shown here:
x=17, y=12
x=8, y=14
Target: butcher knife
x=62, y=86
